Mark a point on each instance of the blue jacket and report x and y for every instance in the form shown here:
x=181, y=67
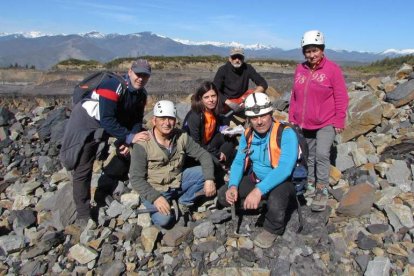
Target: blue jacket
x=259, y=158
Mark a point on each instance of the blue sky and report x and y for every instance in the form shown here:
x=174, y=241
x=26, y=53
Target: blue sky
x=361, y=25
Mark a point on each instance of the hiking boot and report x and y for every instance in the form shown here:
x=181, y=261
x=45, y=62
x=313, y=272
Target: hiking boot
x=265, y=239
x=320, y=200
x=310, y=190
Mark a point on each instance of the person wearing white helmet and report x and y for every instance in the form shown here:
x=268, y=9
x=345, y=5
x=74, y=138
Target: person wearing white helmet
x=157, y=169
x=262, y=168
x=318, y=104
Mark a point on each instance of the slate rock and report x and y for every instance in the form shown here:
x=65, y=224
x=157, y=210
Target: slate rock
x=403, y=94
x=220, y=216
x=35, y=267
x=53, y=117
x=364, y=242
x=377, y=228
x=22, y=219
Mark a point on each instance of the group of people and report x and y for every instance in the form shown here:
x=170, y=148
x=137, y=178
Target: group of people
x=167, y=163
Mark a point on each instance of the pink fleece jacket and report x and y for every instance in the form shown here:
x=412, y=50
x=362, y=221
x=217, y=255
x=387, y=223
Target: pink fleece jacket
x=319, y=97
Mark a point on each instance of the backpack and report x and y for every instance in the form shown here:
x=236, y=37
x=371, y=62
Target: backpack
x=299, y=174
x=83, y=89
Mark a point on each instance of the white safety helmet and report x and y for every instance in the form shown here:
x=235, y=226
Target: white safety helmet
x=257, y=104
x=165, y=108
x=313, y=37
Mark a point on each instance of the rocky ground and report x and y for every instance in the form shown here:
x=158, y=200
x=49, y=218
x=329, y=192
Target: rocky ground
x=367, y=229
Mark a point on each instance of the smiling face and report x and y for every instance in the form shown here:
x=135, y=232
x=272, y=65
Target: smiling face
x=138, y=80
x=262, y=123
x=209, y=100
x=163, y=125
x=313, y=55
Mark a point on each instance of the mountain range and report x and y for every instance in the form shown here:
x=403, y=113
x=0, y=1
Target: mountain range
x=44, y=51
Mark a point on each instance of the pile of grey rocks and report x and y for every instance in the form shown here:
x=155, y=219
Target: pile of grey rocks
x=368, y=227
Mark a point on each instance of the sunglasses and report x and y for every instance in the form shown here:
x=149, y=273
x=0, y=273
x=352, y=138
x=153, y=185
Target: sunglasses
x=240, y=57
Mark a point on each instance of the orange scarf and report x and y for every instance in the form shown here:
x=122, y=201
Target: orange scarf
x=209, y=125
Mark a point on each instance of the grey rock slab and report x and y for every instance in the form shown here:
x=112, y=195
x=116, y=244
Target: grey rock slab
x=82, y=254
x=12, y=243
x=149, y=236
x=400, y=216
x=115, y=209
x=362, y=261
x=399, y=174
x=365, y=242
x=203, y=230
x=116, y=268
x=380, y=266
x=377, y=228
x=220, y=216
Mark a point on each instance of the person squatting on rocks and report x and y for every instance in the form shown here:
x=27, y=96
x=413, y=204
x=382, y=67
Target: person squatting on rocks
x=157, y=169
x=118, y=114
x=318, y=105
x=203, y=123
x=232, y=81
x=255, y=177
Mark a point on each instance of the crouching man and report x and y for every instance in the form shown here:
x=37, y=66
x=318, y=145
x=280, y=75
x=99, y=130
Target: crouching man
x=157, y=171
x=261, y=170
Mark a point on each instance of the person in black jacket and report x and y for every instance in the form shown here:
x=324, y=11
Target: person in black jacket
x=113, y=112
x=203, y=124
x=232, y=81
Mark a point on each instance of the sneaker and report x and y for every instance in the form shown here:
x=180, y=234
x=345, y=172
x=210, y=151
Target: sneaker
x=265, y=239
x=320, y=200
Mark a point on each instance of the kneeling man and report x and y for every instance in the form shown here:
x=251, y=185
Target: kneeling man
x=262, y=169
x=157, y=170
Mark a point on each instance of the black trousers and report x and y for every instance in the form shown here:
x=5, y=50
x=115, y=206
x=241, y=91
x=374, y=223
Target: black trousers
x=280, y=202
x=116, y=170
x=82, y=175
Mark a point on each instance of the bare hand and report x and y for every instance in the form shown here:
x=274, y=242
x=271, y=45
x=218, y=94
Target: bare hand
x=123, y=150
x=222, y=157
x=140, y=137
x=338, y=130
x=209, y=188
x=253, y=199
x=232, y=195
x=162, y=206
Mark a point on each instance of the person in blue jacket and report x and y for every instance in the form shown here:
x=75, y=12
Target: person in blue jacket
x=261, y=170
x=111, y=111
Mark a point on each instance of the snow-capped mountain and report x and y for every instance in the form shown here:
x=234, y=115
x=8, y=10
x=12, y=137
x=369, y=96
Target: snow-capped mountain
x=45, y=50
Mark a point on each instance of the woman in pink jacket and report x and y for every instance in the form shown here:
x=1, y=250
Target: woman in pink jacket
x=318, y=104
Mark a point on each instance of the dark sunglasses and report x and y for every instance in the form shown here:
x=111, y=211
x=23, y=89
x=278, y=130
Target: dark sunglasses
x=240, y=57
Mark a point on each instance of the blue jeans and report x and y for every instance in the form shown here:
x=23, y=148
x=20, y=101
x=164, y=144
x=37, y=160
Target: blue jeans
x=192, y=181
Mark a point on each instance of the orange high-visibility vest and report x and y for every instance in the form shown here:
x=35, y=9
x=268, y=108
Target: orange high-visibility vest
x=273, y=146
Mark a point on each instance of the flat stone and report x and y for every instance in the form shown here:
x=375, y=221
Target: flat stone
x=362, y=261
x=220, y=216
x=82, y=254
x=399, y=216
x=149, y=236
x=365, y=242
x=380, y=266
x=358, y=201
x=12, y=243
x=174, y=237
x=204, y=230
x=377, y=228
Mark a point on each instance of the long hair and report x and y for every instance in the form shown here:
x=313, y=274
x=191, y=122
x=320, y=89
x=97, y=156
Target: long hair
x=196, y=99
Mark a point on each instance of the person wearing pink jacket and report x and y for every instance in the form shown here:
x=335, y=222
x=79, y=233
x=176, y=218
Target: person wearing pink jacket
x=318, y=104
